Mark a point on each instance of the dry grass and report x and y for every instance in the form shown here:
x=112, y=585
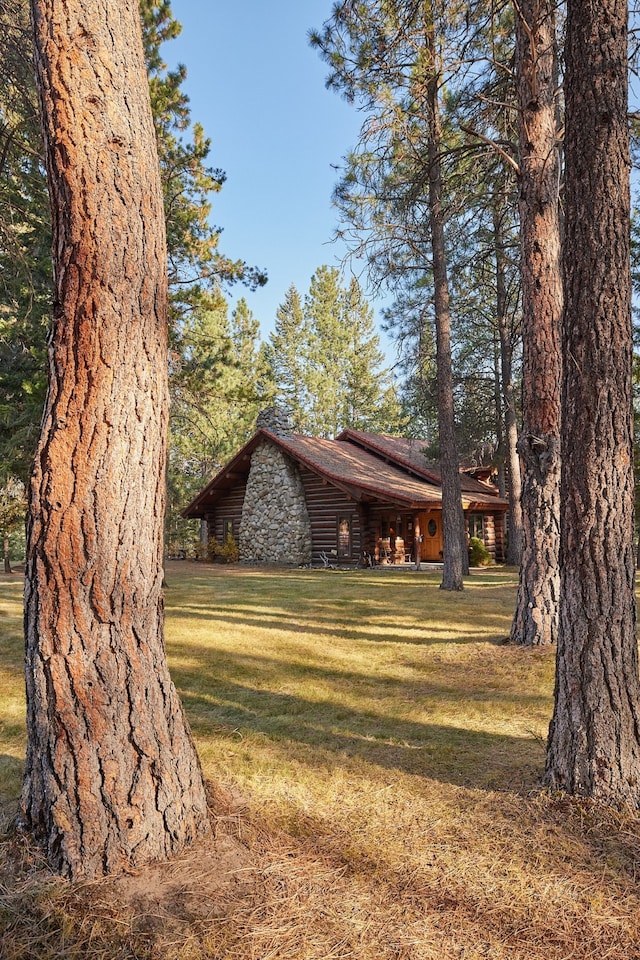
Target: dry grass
x=375, y=752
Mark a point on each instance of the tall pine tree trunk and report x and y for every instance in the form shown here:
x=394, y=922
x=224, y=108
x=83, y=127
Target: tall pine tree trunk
x=112, y=778
x=594, y=737
x=454, y=544
x=514, y=481
x=536, y=616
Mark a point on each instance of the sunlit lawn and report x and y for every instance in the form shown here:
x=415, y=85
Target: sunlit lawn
x=383, y=748
x=348, y=668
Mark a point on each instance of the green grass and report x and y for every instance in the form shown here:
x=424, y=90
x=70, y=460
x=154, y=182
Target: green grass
x=375, y=751
x=12, y=730
x=355, y=668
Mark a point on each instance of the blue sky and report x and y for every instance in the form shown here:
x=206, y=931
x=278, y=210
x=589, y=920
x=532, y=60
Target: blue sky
x=259, y=91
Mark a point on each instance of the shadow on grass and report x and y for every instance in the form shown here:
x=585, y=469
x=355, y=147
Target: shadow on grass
x=448, y=684
x=347, y=622
x=322, y=732
x=314, y=705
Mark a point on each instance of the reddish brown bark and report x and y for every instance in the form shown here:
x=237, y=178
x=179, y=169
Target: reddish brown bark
x=112, y=778
x=536, y=615
x=514, y=549
x=594, y=737
x=454, y=539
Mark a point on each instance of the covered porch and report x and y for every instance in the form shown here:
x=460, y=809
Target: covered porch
x=399, y=536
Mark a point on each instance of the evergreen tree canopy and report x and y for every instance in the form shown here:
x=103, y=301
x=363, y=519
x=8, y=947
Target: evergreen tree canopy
x=197, y=268
x=25, y=245
x=285, y=355
x=379, y=56
x=326, y=360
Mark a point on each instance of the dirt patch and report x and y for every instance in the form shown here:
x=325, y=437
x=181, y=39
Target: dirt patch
x=200, y=884
x=163, y=911
x=193, y=887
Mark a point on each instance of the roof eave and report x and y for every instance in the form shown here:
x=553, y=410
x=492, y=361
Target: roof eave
x=190, y=511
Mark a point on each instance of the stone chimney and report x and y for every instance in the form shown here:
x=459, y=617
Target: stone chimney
x=276, y=419
x=275, y=525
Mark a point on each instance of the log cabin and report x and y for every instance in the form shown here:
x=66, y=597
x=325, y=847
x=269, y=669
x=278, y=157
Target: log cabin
x=291, y=499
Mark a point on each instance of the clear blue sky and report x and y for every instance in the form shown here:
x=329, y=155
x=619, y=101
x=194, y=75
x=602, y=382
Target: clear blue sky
x=259, y=91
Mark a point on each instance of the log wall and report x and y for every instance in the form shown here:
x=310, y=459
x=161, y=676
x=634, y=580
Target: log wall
x=326, y=505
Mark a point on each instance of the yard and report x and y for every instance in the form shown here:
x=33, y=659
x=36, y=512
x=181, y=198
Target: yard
x=374, y=752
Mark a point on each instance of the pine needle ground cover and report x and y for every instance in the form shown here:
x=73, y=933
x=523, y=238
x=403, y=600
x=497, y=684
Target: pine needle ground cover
x=374, y=751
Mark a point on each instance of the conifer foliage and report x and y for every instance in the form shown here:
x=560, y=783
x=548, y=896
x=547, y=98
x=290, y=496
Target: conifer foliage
x=326, y=362
x=25, y=245
x=197, y=269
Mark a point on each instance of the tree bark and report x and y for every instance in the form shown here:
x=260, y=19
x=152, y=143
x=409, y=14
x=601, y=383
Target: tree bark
x=594, y=737
x=536, y=617
x=454, y=540
x=514, y=481
x=112, y=778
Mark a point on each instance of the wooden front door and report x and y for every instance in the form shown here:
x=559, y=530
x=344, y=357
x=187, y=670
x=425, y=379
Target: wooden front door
x=431, y=532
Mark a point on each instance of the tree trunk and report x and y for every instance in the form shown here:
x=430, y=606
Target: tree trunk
x=514, y=549
x=454, y=540
x=594, y=737
x=536, y=616
x=112, y=778
x=499, y=455
x=7, y=561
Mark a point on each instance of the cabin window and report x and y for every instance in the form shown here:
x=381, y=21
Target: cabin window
x=228, y=528
x=390, y=528
x=344, y=537
x=476, y=526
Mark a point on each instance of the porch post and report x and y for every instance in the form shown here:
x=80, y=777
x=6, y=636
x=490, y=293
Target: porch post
x=417, y=540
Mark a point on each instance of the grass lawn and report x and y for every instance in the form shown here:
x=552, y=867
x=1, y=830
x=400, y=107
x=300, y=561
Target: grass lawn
x=374, y=753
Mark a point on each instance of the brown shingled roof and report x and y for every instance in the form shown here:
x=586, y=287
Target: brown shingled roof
x=363, y=474
x=366, y=466
x=411, y=454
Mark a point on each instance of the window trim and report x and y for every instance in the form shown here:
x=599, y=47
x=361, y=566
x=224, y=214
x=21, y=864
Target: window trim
x=477, y=517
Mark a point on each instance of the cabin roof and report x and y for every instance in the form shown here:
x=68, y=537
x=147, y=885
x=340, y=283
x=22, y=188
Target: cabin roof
x=411, y=454
x=368, y=467
x=360, y=472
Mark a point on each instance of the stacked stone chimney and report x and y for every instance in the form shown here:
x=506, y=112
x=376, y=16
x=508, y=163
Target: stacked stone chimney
x=275, y=526
x=277, y=420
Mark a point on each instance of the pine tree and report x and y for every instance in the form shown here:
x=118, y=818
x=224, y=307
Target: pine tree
x=285, y=355
x=327, y=352
x=112, y=779
x=12, y=510
x=254, y=385
x=386, y=56
x=535, y=622
x=197, y=268
x=25, y=245
x=326, y=362
x=188, y=182
x=594, y=737
x=408, y=321
x=370, y=400
x=200, y=436
x=220, y=381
